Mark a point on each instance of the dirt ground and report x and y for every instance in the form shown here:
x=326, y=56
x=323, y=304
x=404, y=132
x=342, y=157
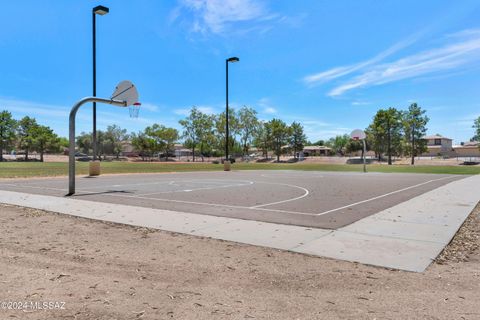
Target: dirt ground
x=107, y=271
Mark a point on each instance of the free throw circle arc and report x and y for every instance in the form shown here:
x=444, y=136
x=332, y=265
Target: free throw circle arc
x=126, y=91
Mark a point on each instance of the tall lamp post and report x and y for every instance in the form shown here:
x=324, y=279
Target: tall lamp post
x=100, y=10
x=227, y=161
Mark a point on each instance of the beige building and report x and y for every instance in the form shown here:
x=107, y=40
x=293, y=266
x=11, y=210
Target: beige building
x=468, y=149
x=438, y=145
x=309, y=151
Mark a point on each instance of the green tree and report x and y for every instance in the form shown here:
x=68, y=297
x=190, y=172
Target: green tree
x=103, y=145
x=338, y=143
x=153, y=132
x=45, y=140
x=233, y=129
x=415, y=127
x=297, y=138
x=247, y=124
x=197, y=130
x=316, y=143
x=263, y=138
x=386, y=132
x=163, y=138
x=353, y=146
x=63, y=142
x=26, y=134
x=476, y=126
x=8, y=127
x=114, y=137
x=143, y=144
x=170, y=136
x=84, y=142
x=280, y=134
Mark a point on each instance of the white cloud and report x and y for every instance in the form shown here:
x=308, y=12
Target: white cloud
x=338, y=72
x=182, y=112
x=33, y=109
x=149, y=106
x=360, y=103
x=462, y=52
x=186, y=111
x=207, y=109
x=217, y=16
x=270, y=110
x=446, y=58
x=266, y=105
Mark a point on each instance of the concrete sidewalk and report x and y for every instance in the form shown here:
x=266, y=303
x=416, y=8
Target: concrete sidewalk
x=408, y=236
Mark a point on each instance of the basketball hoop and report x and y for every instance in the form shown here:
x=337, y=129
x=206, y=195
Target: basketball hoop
x=358, y=135
x=134, y=109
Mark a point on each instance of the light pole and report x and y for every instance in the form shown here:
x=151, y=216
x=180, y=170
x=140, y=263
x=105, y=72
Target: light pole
x=232, y=60
x=101, y=10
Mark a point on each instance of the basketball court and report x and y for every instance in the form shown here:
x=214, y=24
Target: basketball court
x=328, y=200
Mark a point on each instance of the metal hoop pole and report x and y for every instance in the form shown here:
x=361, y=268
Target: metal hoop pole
x=71, y=149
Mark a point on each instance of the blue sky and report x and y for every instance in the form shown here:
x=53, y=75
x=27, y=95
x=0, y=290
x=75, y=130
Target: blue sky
x=328, y=64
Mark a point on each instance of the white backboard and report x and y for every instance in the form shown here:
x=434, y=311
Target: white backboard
x=125, y=91
x=358, y=134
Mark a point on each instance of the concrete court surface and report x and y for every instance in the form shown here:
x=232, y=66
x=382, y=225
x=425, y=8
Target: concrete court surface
x=328, y=200
x=400, y=221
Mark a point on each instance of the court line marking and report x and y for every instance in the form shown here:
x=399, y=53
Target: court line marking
x=92, y=192
x=196, y=189
x=203, y=203
x=282, y=201
x=384, y=195
x=242, y=207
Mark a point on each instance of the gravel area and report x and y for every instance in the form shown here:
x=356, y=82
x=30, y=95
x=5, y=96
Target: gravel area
x=107, y=271
x=466, y=242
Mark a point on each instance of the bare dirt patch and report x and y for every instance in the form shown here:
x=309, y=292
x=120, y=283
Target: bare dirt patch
x=107, y=271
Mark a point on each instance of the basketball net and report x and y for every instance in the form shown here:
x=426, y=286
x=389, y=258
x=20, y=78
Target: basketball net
x=134, y=110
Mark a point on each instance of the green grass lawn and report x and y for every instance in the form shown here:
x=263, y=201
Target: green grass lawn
x=38, y=169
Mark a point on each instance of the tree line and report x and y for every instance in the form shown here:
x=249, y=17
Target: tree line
x=27, y=135
x=206, y=133
x=392, y=133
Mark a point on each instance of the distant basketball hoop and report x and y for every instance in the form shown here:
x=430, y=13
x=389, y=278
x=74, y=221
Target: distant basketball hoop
x=358, y=135
x=134, y=109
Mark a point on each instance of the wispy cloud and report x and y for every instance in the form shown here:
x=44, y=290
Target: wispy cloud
x=338, y=72
x=149, y=106
x=33, y=109
x=270, y=110
x=186, y=111
x=360, y=103
x=460, y=51
x=218, y=16
x=266, y=106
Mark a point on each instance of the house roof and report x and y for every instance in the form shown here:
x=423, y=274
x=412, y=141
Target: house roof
x=435, y=137
x=316, y=148
x=471, y=144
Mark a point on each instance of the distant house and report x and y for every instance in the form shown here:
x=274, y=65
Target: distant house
x=181, y=151
x=468, y=149
x=438, y=145
x=309, y=151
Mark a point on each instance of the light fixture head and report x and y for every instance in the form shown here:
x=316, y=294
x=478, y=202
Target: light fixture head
x=101, y=10
x=233, y=59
